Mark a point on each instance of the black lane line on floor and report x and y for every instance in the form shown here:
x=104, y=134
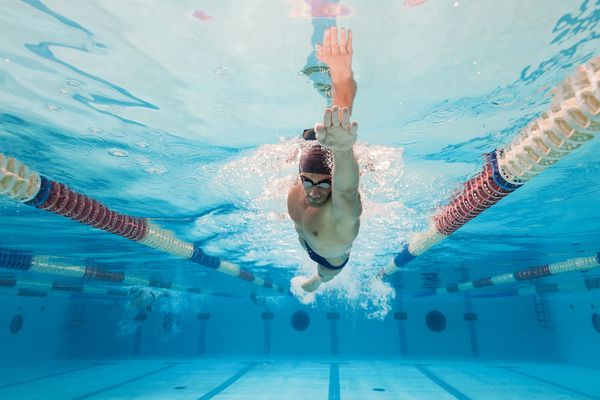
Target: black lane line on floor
x=334, y=382
x=557, y=385
x=116, y=385
x=228, y=382
x=441, y=383
x=39, y=378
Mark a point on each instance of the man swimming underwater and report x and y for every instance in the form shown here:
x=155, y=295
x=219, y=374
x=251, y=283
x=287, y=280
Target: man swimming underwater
x=324, y=202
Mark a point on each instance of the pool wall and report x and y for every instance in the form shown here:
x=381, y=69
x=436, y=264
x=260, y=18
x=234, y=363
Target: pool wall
x=499, y=328
x=576, y=339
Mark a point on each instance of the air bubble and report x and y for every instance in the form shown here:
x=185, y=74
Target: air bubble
x=97, y=47
x=142, y=161
x=71, y=148
x=222, y=70
x=52, y=107
x=158, y=169
x=118, y=153
x=143, y=145
x=73, y=82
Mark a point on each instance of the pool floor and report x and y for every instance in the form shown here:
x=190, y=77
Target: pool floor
x=297, y=379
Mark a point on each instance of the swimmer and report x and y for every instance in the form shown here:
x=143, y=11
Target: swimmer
x=143, y=298
x=324, y=202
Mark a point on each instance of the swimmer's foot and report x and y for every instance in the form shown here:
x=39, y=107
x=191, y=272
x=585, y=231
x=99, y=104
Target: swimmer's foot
x=312, y=284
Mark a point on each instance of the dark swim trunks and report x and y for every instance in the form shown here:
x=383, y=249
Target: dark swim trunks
x=321, y=261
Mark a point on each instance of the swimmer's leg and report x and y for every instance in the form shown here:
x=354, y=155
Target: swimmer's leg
x=324, y=275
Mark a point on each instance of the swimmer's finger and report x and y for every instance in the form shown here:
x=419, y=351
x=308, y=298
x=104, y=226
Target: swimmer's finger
x=349, y=42
x=320, y=132
x=327, y=117
x=345, y=118
x=334, y=38
x=335, y=116
x=327, y=39
x=342, y=40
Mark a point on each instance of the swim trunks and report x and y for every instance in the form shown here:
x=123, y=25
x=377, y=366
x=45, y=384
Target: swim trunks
x=321, y=261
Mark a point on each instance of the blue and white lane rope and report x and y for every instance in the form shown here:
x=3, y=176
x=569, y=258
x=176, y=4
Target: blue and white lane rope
x=541, y=271
x=24, y=261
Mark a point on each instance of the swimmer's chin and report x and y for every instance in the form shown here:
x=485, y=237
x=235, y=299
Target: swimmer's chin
x=317, y=203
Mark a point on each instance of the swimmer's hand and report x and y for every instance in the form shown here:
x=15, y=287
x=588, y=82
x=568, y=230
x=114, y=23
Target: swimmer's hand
x=336, y=134
x=337, y=54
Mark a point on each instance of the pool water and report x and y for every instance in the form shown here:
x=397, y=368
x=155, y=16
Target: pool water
x=153, y=258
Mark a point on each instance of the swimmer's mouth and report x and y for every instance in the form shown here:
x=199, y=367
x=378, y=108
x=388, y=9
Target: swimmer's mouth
x=315, y=201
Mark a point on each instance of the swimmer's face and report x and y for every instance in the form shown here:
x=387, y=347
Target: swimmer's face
x=317, y=188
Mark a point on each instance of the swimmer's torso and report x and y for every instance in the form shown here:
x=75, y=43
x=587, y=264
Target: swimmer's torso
x=317, y=226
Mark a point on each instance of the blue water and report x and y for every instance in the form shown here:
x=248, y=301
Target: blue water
x=188, y=114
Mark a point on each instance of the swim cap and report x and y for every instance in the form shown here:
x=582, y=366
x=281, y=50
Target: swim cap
x=316, y=159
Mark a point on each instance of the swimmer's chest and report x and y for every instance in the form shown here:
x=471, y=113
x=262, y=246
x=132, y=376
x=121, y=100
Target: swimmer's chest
x=318, y=223
x=323, y=235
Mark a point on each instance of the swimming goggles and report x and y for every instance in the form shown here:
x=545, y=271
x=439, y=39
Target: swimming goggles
x=308, y=183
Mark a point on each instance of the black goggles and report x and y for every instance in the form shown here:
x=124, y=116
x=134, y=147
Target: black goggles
x=308, y=183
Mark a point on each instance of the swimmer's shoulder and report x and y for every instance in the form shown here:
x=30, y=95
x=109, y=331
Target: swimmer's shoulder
x=295, y=203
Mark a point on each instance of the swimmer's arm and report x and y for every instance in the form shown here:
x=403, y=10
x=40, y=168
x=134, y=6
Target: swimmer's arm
x=340, y=134
x=295, y=211
x=294, y=204
x=300, y=234
x=337, y=54
x=347, y=206
x=344, y=92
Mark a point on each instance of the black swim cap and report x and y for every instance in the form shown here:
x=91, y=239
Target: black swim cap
x=316, y=159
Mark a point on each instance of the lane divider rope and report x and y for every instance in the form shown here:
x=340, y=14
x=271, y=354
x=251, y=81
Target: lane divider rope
x=528, y=274
x=46, y=265
x=20, y=183
x=571, y=120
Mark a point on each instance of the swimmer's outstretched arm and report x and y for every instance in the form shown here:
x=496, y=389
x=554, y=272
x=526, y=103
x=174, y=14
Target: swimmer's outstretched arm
x=337, y=55
x=339, y=134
